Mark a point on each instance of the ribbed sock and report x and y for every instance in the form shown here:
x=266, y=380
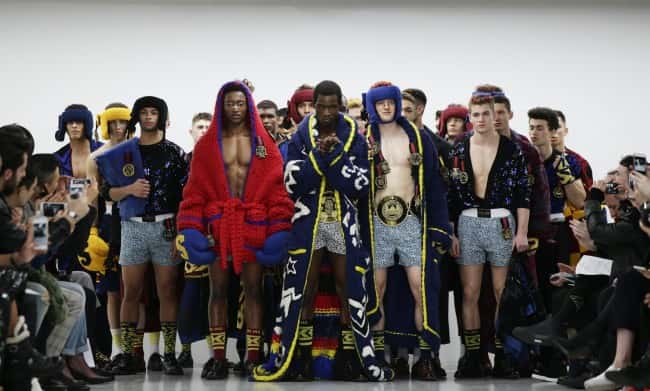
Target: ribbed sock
x=425, y=348
x=472, y=340
x=253, y=344
x=154, y=341
x=218, y=342
x=187, y=348
x=128, y=336
x=169, y=336
x=378, y=341
x=347, y=338
x=116, y=336
x=138, y=342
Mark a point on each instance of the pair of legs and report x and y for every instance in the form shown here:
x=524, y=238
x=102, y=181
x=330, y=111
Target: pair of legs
x=338, y=262
x=471, y=277
x=166, y=286
x=414, y=275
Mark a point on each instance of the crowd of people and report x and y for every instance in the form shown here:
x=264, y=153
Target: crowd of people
x=324, y=239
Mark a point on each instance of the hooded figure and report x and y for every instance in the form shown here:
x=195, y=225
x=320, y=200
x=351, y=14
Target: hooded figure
x=454, y=111
x=79, y=113
x=429, y=204
x=149, y=101
x=298, y=97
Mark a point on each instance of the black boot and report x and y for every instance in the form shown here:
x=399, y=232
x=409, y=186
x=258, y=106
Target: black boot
x=437, y=366
x=346, y=365
x=185, y=359
x=171, y=366
x=215, y=369
x=470, y=367
x=401, y=367
x=23, y=361
x=504, y=366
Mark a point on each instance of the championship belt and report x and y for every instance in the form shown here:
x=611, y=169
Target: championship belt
x=392, y=210
x=328, y=209
x=121, y=166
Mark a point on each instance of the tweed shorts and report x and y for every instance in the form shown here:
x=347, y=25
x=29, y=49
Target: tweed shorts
x=330, y=236
x=481, y=240
x=405, y=240
x=144, y=242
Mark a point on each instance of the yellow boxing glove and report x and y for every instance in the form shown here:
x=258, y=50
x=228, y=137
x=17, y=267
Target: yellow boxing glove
x=94, y=256
x=563, y=171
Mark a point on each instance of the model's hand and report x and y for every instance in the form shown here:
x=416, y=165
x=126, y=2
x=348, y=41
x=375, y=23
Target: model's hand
x=140, y=188
x=520, y=244
x=327, y=143
x=454, y=251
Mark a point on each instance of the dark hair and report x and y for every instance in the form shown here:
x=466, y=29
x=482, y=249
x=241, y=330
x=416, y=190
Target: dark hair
x=43, y=166
x=267, y=104
x=419, y=95
x=561, y=115
x=328, y=87
x=30, y=176
x=282, y=112
x=15, y=141
x=627, y=161
x=201, y=116
x=115, y=105
x=546, y=114
x=438, y=114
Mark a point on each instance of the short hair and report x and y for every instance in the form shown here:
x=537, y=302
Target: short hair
x=560, y=114
x=16, y=142
x=627, y=161
x=408, y=97
x=419, y=95
x=44, y=165
x=497, y=93
x=355, y=103
x=546, y=114
x=202, y=116
x=76, y=106
x=438, y=114
x=477, y=100
x=282, y=112
x=328, y=87
x=30, y=176
x=267, y=104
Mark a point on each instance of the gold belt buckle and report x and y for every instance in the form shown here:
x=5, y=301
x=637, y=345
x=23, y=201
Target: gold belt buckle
x=392, y=210
x=328, y=208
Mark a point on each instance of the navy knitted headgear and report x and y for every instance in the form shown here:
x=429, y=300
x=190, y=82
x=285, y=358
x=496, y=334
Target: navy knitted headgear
x=376, y=94
x=76, y=114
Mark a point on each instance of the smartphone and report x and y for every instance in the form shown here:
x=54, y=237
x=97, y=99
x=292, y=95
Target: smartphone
x=41, y=234
x=78, y=185
x=612, y=188
x=640, y=163
x=50, y=209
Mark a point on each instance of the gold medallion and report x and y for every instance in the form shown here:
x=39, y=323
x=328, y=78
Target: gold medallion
x=328, y=208
x=380, y=182
x=384, y=167
x=128, y=170
x=260, y=151
x=415, y=159
x=463, y=177
x=392, y=210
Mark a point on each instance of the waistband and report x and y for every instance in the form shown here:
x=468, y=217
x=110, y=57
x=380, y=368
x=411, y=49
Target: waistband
x=557, y=218
x=152, y=219
x=497, y=213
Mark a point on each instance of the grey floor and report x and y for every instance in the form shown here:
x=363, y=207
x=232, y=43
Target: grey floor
x=192, y=380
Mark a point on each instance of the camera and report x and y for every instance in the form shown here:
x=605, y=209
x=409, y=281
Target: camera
x=611, y=188
x=645, y=214
x=50, y=209
x=41, y=234
x=640, y=165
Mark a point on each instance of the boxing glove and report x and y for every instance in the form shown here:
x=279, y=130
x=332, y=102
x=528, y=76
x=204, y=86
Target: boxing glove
x=194, y=247
x=274, y=250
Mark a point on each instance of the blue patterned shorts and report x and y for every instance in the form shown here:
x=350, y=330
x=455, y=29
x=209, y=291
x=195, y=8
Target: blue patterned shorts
x=481, y=240
x=405, y=240
x=144, y=242
x=330, y=236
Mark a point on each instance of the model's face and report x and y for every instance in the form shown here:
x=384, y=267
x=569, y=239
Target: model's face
x=409, y=110
x=355, y=113
x=270, y=119
x=557, y=140
x=149, y=119
x=455, y=126
x=199, y=128
x=235, y=108
x=502, y=117
x=305, y=108
x=117, y=129
x=482, y=118
x=539, y=133
x=75, y=130
x=327, y=110
x=386, y=110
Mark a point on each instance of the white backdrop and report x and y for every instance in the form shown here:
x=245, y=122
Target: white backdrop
x=591, y=62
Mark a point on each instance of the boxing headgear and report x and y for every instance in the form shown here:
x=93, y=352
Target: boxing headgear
x=112, y=114
x=376, y=94
x=297, y=98
x=69, y=115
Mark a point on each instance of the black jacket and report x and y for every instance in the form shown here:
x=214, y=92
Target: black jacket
x=12, y=238
x=621, y=241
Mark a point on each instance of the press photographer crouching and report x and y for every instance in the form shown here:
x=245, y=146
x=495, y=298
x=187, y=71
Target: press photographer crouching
x=589, y=305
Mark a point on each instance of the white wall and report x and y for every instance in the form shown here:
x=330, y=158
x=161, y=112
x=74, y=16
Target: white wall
x=590, y=62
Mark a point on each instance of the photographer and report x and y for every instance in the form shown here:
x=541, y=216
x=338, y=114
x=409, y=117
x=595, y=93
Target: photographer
x=21, y=362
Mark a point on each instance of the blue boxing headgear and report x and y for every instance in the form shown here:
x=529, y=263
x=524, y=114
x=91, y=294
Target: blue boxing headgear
x=376, y=94
x=76, y=114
